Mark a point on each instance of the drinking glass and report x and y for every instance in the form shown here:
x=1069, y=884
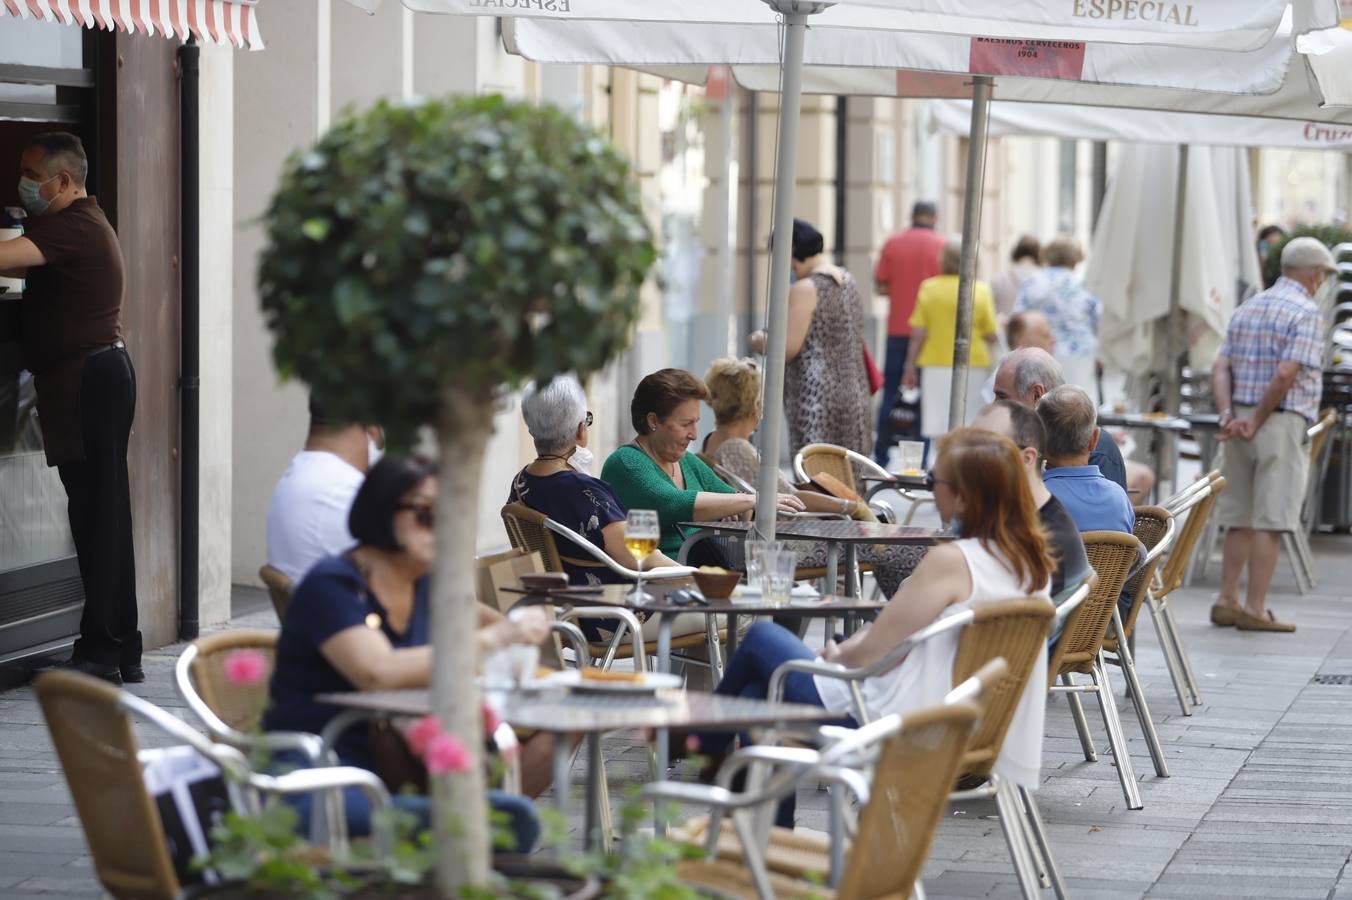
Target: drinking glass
x=778, y=572
x=641, y=535
x=755, y=558
x=912, y=457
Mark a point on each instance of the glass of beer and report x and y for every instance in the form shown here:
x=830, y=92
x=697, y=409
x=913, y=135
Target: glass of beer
x=641, y=534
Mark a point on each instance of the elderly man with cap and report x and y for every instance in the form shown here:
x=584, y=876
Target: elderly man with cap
x=1266, y=382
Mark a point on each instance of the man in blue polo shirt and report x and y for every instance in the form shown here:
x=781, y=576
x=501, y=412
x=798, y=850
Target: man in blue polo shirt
x=1094, y=502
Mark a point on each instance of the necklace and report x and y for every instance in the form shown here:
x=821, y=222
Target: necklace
x=671, y=472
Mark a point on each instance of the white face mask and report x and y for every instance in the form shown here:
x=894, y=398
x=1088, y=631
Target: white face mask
x=373, y=452
x=582, y=459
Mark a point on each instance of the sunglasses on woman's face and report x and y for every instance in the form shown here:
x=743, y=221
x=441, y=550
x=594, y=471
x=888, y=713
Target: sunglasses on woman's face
x=422, y=513
x=931, y=481
x=588, y=421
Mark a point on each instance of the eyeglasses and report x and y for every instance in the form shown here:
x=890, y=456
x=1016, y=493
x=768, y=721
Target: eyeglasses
x=588, y=421
x=422, y=513
x=931, y=481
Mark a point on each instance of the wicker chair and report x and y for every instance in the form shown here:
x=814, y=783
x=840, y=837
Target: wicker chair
x=279, y=589
x=1156, y=529
x=232, y=713
x=1016, y=631
x=1197, y=505
x=806, y=854
x=529, y=530
x=730, y=478
x=91, y=724
x=901, y=807
x=1079, y=651
x=844, y=465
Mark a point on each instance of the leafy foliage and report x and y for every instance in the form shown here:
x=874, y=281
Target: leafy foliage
x=465, y=242
x=1331, y=235
x=264, y=853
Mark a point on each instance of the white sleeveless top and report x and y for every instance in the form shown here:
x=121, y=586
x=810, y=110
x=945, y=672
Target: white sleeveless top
x=926, y=675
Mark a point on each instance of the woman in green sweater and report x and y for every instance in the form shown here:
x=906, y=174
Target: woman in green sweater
x=654, y=471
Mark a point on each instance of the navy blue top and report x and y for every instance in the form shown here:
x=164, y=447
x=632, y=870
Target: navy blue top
x=1094, y=502
x=1108, y=457
x=580, y=502
x=331, y=597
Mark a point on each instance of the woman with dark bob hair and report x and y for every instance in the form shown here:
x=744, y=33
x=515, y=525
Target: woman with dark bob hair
x=654, y=471
x=826, y=390
x=359, y=622
x=1000, y=554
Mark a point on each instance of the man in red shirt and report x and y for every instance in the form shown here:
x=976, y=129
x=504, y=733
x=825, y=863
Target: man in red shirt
x=908, y=258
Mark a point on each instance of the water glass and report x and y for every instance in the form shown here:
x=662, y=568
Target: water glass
x=755, y=558
x=777, y=576
x=912, y=457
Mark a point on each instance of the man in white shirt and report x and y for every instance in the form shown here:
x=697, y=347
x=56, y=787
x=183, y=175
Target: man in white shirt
x=307, y=519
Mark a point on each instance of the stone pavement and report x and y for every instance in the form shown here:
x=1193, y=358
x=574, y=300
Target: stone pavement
x=1257, y=805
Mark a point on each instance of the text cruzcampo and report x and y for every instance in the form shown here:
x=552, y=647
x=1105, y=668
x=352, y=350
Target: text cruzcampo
x=561, y=6
x=1135, y=11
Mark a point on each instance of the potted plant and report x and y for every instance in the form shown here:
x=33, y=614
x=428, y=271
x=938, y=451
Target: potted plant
x=420, y=258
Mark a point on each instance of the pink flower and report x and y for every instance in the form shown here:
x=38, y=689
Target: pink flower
x=446, y=754
x=491, y=720
x=246, y=668
x=421, y=734
x=692, y=743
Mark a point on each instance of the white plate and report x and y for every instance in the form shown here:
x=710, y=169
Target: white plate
x=572, y=679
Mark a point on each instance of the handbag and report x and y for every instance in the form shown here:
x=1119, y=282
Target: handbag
x=875, y=377
x=394, y=761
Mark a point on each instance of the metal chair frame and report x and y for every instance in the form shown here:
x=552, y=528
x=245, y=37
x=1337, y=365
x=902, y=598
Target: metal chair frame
x=1168, y=577
x=247, y=788
x=1020, y=820
x=801, y=459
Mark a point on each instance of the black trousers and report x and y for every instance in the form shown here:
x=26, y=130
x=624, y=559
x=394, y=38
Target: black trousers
x=99, y=505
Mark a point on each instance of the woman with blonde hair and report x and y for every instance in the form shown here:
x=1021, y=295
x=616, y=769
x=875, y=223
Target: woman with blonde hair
x=1001, y=553
x=734, y=394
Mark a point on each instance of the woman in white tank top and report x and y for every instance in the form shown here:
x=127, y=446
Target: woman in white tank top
x=1001, y=554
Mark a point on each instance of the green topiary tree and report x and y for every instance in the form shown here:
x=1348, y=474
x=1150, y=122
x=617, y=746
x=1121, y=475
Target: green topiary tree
x=1332, y=235
x=418, y=259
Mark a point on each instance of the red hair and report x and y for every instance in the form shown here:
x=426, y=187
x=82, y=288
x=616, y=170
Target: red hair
x=986, y=471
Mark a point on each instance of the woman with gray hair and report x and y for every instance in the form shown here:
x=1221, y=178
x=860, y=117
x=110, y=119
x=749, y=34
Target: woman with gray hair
x=1073, y=312
x=558, y=483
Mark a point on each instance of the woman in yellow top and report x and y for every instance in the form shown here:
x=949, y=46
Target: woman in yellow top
x=933, y=328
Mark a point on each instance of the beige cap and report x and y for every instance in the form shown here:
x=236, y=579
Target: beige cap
x=1307, y=253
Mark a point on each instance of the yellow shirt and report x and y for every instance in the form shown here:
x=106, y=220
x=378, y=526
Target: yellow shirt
x=936, y=311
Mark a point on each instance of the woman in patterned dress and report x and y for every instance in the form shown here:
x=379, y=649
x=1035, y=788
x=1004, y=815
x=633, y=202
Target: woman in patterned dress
x=1073, y=312
x=826, y=393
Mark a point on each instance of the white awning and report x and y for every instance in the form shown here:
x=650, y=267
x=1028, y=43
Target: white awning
x=227, y=22
x=1142, y=126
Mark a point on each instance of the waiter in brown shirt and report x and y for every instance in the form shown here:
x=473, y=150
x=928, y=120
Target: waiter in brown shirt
x=86, y=387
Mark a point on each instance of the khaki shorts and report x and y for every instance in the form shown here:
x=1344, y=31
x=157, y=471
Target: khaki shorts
x=1265, y=477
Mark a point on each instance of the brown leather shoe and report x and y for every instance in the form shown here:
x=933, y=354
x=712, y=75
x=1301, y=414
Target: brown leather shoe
x=1224, y=616
x=1266, y=622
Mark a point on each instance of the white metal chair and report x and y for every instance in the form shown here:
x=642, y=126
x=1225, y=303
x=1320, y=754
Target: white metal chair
x=840, y=462
x=92, y=729
x=1017, y=632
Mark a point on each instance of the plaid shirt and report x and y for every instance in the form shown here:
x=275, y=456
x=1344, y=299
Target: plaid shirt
x=1282, y=323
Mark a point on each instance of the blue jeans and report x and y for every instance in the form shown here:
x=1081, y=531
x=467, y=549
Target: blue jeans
x=524, y=823
x=765, y=648
x=894, y=367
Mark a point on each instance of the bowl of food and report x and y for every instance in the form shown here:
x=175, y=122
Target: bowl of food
x=716, y=583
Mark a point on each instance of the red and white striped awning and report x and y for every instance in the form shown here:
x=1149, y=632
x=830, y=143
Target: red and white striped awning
x=212, y=21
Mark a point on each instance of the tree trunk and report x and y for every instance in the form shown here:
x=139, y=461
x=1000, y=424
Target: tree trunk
x=458, y=801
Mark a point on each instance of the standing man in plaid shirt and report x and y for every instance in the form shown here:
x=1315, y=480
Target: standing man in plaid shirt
x=1267, y=384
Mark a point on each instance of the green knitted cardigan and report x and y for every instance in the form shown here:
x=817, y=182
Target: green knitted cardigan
x=640, y=483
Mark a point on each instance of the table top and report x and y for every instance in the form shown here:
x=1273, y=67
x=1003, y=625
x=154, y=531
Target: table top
x=564, y=712
x=618, y=595
x=846, y=531
x=1158, y=421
